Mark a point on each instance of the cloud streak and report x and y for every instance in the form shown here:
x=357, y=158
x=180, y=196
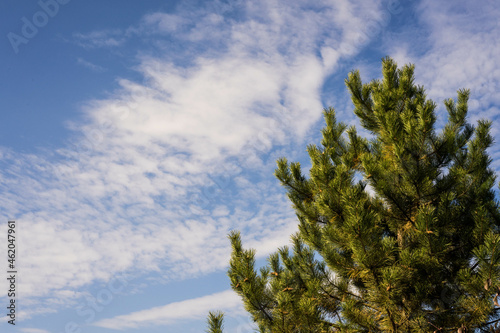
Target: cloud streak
x=91, y=66
x=32, y=330
x=165, y=315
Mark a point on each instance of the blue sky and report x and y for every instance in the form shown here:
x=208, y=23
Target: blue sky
x=134, y=135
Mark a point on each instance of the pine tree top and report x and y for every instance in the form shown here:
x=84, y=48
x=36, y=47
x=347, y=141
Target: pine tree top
x=405, y=224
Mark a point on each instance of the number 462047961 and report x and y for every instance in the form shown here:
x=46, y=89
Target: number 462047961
x=11, y=239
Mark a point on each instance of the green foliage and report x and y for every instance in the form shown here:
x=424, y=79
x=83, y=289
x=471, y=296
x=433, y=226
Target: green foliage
x=398, y=233
x=215, y=322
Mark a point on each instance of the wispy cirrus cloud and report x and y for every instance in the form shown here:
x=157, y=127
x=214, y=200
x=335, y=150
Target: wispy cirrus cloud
x=102, y=38
x=167, y=314
x=32, y=330
x=93, y=67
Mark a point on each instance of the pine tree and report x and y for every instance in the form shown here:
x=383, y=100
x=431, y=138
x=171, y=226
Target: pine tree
x=398, y=232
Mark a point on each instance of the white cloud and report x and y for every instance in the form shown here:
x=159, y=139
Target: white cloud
x=89, y=65
x=461, y=53
x=164, y=22
x=196, y=308
x=95, y=39
x=32, y=330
